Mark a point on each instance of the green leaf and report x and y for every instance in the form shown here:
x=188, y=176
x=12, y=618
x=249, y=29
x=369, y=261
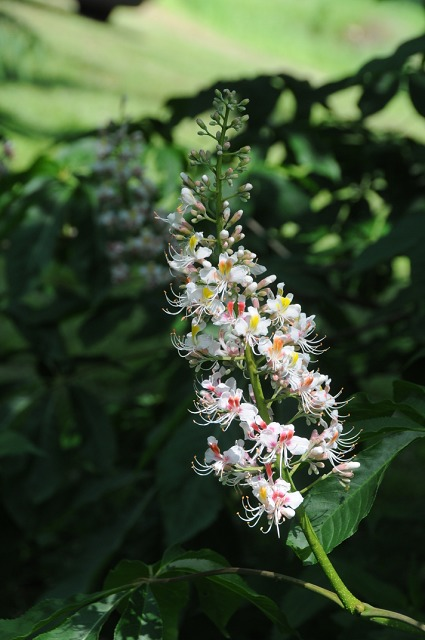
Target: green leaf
x=95, y=426
x=408, y=232
x=378, y=91
x=405, y=413
x=334, y=513
x=86, y=623
x=141, y=619
x=15, y=444
x=98, y=547
x=188, y=506
x=318, y=160
x=218, y=608
x=131, y=623
x=97, y=489
x=105, y=318
x=34, y=619
x=229, y=590
x=46, y=613
x=125, y=573
x=172, y=599
x=416, y=84
x=45, y=476
x=411, y=398
x=36, y=242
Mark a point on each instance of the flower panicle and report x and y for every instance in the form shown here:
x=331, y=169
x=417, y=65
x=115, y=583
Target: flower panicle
x=241, y=328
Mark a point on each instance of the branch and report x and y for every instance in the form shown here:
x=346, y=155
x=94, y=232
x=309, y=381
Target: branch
x=384, y=617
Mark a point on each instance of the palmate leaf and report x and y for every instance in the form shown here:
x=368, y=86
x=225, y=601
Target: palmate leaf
x=221, y=595
x=86, y=623
x=56, y=614
x=155, y=609
x=334, y=513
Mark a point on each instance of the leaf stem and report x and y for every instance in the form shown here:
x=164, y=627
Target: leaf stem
x=384, y=617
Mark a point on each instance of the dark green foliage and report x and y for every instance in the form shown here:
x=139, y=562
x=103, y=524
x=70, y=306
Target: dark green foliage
x=95, y=438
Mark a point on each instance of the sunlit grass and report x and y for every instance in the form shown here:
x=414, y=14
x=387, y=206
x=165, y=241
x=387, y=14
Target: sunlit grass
x=320, y=37
x=77, y=73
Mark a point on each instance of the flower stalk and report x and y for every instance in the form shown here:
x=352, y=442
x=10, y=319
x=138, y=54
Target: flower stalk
x=243, y=330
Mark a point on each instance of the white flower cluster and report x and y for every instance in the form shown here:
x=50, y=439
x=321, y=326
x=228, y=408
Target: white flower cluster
x=239, y=324
x=125, y=203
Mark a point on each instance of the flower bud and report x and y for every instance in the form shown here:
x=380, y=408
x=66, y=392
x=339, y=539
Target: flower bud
x=236, y=216
x=245, y=187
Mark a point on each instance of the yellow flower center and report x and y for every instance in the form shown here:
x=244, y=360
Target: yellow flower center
x=193, y=242
x=262, y=495
x=224, y=266
x=253, y=323
x=195, y=330
x=207, y=293
x=283, y=302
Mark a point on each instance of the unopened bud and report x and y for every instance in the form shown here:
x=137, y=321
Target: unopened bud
x=186, y=179
x=236, y=216
x=201, y=124
x=245, y=187
x=251, y=288
x=266, y=281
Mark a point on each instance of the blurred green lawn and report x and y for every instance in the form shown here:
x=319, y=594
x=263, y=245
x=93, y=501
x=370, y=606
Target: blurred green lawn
x=74, y=75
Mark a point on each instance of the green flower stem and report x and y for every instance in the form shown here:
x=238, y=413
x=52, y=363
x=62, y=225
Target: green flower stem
x=350, y=602
x=218, y=177
x=256, y=384
x=312, y=484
